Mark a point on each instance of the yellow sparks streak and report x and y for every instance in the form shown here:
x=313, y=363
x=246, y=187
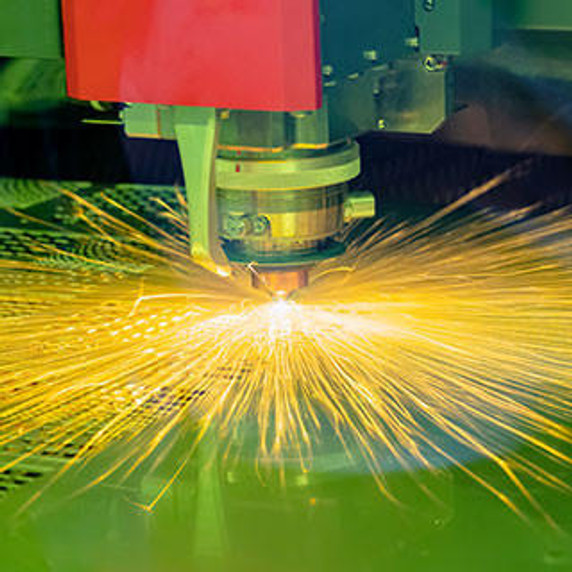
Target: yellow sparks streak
x=422, y=341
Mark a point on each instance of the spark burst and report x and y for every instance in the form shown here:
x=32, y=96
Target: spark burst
x=453, y=326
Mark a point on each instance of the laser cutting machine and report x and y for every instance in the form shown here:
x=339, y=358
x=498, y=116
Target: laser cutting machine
x=266, y=100
x=266, y=97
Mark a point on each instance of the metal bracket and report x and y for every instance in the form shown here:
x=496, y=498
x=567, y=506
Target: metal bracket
x=197, y=136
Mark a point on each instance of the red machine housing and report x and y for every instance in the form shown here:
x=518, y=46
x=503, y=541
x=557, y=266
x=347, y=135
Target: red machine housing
x=239, y=54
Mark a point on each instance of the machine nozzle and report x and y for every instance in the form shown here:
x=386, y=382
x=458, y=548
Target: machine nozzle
x=281, y=283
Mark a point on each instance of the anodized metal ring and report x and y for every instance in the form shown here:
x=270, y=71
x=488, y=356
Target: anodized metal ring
x=303, y=172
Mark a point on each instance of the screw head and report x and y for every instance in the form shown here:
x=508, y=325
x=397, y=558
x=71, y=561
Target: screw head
x=260, y=225
x=429, y=5
x=327, y=70
x=371, y=55
x=235, y=226
x=435, y=63
x=412, y=42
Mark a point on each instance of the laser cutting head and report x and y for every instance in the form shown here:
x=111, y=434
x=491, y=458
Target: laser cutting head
x=281, y=213
x=265, y=190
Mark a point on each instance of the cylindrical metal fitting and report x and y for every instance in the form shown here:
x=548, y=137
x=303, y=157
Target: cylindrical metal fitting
x=281, y=283
x=286, y=210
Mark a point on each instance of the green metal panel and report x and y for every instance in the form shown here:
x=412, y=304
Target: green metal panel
x=455, y=27
x=359, y=34
x=537, y=14
x=30, y=29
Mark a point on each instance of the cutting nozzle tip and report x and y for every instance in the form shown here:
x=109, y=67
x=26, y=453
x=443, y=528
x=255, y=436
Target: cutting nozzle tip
x=280, y=283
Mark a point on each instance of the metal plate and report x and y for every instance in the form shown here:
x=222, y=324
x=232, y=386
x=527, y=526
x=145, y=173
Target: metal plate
x=30, y=29
x=243, y=54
